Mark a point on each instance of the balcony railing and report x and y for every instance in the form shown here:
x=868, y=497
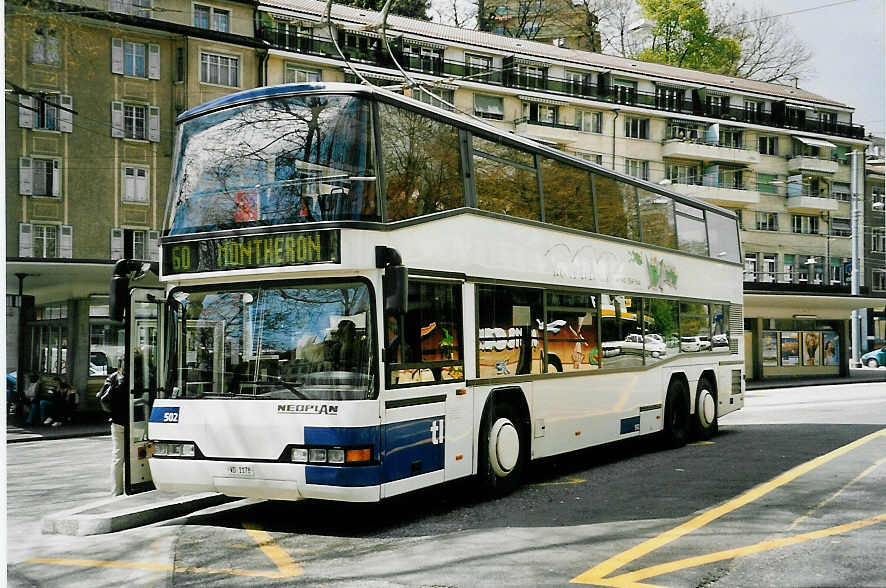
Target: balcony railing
x=281, y=37
x=541, y=123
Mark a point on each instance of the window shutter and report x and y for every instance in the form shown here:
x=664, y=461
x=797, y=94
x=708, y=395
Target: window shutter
x=117, y=119
x=25, y=240
x=154, y=245
x=154, y=62
x=141, y=185
x=116, y=243
x=56, y=178
x=66, y=242
x=25, y=114
x=66, y=117
x=25, y=176
x=154, y=123
x=117, y=56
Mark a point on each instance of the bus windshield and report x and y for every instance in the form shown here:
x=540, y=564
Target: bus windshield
x=272, y=342
x=287, y=160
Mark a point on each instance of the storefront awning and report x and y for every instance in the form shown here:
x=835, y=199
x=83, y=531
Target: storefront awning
x=815, y=142
x=786, y=306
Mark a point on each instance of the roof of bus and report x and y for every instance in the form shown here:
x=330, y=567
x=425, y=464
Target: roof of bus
x=257, y=94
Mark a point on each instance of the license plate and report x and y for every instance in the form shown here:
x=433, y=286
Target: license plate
x=241, y=471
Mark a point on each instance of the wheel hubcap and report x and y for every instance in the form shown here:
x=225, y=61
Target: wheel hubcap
x=504, y=447
x=707, y=408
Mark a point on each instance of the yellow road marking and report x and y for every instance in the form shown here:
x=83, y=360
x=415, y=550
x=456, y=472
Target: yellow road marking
x=601, y=570
x=568, y=481
x=702, y=443
x=288, y=567
x=691, y=562
x=837, y=493
x=135, y=565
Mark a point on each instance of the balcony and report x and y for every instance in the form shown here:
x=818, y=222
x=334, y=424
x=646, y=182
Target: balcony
x=804, y=163
x=559, y=133
x=717, y=195
x=684, y=149
x=814, y=204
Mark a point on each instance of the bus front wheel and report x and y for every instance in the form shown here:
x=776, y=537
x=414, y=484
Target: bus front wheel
x=502, y=450
x=704, y=424
x=676, y=415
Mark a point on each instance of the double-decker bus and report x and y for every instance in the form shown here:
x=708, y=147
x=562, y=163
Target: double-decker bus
x=364, y=295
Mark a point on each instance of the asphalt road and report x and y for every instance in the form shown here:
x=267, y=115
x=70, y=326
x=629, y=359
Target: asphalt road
x=790, y=493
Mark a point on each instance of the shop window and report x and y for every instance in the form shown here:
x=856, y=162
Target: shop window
x=571, y=332
x=50, y=347
x=508, y=339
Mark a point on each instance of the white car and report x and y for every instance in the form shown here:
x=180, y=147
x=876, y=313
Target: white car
x=634, y=343
x=695, y=344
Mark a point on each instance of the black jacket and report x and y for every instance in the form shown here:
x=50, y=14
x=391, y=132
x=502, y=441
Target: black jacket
x=119, y=398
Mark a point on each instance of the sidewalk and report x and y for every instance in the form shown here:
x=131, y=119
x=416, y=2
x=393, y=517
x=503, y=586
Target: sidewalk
x=88, y=425
x=856, y=376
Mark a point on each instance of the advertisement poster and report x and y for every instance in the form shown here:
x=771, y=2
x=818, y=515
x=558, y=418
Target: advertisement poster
x=790, y=348
x=811, y=348
x=830, y=349
x=770, y=348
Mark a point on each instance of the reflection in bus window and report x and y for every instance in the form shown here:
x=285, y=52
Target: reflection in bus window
x=720, y=327
x=425, y=345
x=622, y=343
x=657, y=219
x=616, y=208
x=723, y=237
x=508, y=340
x=422, y=164
x=695, y=327
x=506, y=180
x=287, y=160
x=567, y=195
x=692, y=236
x=571, y=332
x=662, y=334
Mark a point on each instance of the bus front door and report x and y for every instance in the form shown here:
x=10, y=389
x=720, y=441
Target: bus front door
x=144, y=358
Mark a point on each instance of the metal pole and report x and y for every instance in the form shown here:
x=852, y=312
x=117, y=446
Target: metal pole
x=856, y=265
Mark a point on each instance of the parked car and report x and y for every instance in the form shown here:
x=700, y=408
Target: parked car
x=721, y=340
x=695, y=343
x=98, y=363
x=874, y=358
x=634, y=343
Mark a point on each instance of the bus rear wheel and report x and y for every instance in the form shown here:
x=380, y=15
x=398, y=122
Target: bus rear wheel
x=704, y=422
x=502, y=450
x=676, y=415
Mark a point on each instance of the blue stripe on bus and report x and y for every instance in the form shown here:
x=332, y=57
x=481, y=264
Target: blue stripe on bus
x=164, y=414
x=405, y=449
x=630, y=425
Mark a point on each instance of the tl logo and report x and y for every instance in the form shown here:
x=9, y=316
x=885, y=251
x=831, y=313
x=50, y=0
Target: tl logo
x=437, y=431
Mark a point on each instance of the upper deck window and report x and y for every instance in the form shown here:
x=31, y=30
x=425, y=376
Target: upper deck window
x=279, y=161
x=506, y=180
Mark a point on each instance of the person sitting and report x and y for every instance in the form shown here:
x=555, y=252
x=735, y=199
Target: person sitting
x=40, y=402
x=64, y=402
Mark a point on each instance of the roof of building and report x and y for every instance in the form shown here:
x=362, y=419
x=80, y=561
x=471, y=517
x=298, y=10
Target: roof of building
x=536, y=50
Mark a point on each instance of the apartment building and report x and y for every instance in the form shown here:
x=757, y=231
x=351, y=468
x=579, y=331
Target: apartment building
x=564, y=23
x=92, y=93
x=873, y=320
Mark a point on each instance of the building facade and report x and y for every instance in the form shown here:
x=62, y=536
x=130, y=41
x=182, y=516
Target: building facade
x=873, y=319
x=96, y=188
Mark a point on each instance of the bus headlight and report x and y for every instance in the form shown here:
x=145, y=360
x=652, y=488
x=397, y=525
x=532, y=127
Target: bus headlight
x=299, y=455
x=167, y=449
x=317, y=455
x=335, y=455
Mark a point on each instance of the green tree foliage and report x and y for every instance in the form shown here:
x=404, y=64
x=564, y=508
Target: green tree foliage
x=682, y=35
x=409, y=8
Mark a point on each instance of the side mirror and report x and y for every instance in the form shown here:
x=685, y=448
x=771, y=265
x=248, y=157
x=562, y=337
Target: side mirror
x=394, y=286
x=118, y=296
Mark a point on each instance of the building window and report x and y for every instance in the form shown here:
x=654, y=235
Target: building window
x=767, y=145
x=44, y=48
x=45, y=241
x=669, y=98
x=787, y=269
x=577, y=82
x=590, y=122
x=840, y=191
x=624, y=91
x=717, y=105
x=638, y=168
x=139, y=244
x=219, y=69
x=542, y=113
x=45, y=177
x=730, y=177
x=841, y=227
x=135, y=184
x=828, y=120
x=684, y=130
x=878, y=195
x=439, y=97
x=683, y=173
x=765, y=185
x=491, y=107
x=753, y=110
x=768, y=274
x=878, y=281
x=878, y=240
x=731, y=137
x=593, y=157
x=45, y=111
x=134, y=59
x=637, y=128
x=750, y=267
x=477, y=64
x=50, y=345
x=767, y=221
x=804, y=224
x=296, y=75
x=134, y=121
x=179, y=64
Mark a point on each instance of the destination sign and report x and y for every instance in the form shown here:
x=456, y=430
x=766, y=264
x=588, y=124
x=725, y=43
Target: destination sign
x=252, y=251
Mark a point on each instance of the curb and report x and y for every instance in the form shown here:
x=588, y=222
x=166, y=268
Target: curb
x=768, y=385
x=38, y=437
x=80, y=522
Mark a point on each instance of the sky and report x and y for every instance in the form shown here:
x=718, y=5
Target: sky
x=846, y=38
